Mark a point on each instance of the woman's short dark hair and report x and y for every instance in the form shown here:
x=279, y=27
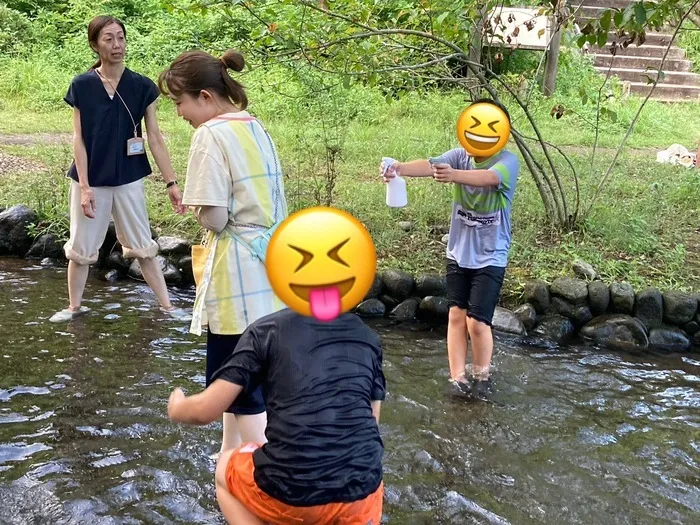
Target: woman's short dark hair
x=195, y=71
x=96, y=26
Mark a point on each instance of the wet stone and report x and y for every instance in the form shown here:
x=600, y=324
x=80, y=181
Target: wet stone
x=537, y=294
x=434, y=309
x=622, y=297
x=506, y=321
x=598, y=297
x=527, y=315
x=669, y=338
x=407, y=310
x=554, y=327
x=431, y=284
x=649, y=308
x=371, y=308
x=398, y=284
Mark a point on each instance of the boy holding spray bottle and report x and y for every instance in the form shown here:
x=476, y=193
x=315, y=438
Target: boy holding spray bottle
x=484, y=177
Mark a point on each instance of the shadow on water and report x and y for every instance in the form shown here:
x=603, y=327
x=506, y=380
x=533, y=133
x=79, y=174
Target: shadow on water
x=574, y=435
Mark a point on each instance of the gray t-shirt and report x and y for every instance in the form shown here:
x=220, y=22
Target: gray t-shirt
x=480, y=224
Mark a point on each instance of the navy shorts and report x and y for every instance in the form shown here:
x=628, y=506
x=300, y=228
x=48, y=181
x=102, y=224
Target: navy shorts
x=219, y=349
x=474, y=290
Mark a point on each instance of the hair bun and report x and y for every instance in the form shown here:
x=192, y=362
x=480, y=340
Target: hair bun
x=233, y=60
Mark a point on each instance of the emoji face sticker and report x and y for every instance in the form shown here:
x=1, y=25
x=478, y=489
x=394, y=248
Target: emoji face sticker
x=321, y=262
x=483, y=129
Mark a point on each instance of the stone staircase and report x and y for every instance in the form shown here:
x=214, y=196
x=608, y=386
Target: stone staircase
x=629, y=64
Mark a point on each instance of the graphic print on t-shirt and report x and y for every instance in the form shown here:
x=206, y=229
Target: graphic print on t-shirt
x=476, y=219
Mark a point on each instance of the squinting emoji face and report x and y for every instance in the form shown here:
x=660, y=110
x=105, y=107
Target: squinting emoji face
x=321, y=262
x=483, y=129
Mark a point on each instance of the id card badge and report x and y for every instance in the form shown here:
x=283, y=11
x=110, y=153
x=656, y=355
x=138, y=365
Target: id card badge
x=135, y=146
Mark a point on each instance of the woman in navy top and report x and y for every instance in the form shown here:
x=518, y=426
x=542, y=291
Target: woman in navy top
x=109, y=102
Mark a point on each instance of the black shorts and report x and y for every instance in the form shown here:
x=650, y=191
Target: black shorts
x=219, y=349
x=476, y=291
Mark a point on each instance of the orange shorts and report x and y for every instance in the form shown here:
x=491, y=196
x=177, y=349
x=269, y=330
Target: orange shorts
x=241, y=484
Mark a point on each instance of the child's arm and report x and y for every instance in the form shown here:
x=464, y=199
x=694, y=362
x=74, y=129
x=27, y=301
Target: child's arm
x=205, y=407
x=414, y=168
x=483, y=178
x=376, y=409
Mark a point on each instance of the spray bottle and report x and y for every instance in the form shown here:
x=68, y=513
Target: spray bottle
x=396, y=195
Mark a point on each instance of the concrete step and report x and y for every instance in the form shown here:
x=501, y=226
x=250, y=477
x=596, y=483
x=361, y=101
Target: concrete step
x=667, y=92
x=610, y=4
x=677, y=78
x=648, y=51
x=650, y=39
x=640, y=63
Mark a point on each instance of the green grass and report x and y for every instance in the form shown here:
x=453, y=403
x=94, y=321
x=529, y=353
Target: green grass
x=643, y=230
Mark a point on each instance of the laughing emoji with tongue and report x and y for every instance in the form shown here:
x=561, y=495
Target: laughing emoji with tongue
x=483, y=128
x=321, y=262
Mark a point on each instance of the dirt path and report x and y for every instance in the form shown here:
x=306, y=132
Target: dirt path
x=28, y=139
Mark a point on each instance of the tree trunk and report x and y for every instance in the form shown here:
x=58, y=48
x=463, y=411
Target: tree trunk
x=475, y=52
x=549, y=81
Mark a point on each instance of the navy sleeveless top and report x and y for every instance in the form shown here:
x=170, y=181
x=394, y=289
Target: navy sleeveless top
x=106, y=126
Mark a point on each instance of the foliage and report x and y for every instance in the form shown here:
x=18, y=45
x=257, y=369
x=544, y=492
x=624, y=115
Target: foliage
x=16, y=31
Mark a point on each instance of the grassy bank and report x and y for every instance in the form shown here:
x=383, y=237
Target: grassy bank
x=644, y=228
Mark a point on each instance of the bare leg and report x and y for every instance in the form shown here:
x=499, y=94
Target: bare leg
x=232, y=437
x=77, y=277
x=251, y=428
x=233, y=510
x=482, y=348
x=150, y=268
x=457, y=338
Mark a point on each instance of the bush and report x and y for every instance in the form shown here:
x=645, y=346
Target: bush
x=16, y=31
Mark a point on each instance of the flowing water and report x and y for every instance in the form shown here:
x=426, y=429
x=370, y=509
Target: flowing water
x=573, y=435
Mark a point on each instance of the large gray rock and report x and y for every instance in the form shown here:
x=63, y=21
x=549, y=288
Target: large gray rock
x=377, y=287
x=171, y=274
x=622, y=297
x=135, y=270
x=14, y=237
x=537, y=294
x=434, y=309
x=581, y=315
x=185, y=267
x=527, y=315
x=691, y=328
x=696, y=339
x=669, y=338
x=371, y=308
x=598, y=297
x=109, y=245
x=506, y=321
x=554, y=327
x=398, y=284
x=562, y=307
x=46, y=246
x=649, y=308
x=584, y=270
x=116, y=261
x=173, y=246
x=407, y=310
x=389, y=302
x=679, y=307
x=431, y=284
x=574, y=291
x=618, y=330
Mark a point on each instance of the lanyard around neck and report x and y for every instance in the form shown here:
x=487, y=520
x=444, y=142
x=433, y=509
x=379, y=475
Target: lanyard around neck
x=120, y=98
